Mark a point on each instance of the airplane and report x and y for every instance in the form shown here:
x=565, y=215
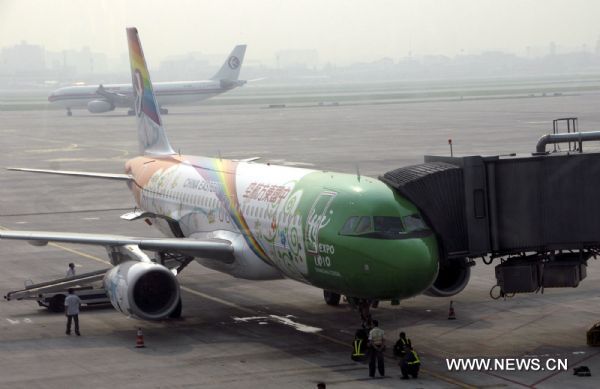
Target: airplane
x=105, y=98
x=344, y=233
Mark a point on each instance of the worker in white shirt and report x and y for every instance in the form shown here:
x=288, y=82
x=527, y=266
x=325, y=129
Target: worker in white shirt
x=377, y=344
x=72, y=303
x=71, y=271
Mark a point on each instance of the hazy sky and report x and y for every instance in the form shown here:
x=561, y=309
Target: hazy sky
x=342, y=31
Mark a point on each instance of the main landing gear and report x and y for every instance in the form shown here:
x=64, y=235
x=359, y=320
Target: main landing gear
x=163, y=111
x=69, y=113
x=331, y=298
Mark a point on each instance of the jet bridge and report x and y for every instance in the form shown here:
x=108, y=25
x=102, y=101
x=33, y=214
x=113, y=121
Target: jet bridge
x=539, y=214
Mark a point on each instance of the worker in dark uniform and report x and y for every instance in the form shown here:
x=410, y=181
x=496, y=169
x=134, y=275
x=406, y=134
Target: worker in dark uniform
x=401, y=346
x=359, y=345
x=410, y=364
x=365, y=314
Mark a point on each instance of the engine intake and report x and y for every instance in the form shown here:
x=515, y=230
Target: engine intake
x=146, y=290
x=452, y=278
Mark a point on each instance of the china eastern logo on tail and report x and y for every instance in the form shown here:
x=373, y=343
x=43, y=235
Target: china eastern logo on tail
x=234, y=62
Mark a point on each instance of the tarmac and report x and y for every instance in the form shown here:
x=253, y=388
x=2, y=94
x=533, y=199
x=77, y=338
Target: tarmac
x=272, y=334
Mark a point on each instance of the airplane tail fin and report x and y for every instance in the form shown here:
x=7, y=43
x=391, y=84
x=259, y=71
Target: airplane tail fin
x=152, y=136
x=231, y=68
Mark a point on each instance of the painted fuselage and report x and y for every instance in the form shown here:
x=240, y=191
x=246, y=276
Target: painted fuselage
x=167, y=93
x=289, y=222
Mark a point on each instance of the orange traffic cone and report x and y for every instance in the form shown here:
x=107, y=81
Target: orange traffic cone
x=139, y=343
x=451, y=314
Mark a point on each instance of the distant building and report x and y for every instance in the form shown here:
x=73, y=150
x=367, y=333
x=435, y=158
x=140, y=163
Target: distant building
x=192, y=66
x=297, y=59
x=22, y=59
x=77, y=63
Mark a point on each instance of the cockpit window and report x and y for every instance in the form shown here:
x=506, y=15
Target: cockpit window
x=384, y=227
x=357, y=225
x=364, y=226
x=349, y=226
x=388, y=225
x=414, y=223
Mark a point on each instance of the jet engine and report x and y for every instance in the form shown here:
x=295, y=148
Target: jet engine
x=452, y=278
x=99, y=106
x=146, y=290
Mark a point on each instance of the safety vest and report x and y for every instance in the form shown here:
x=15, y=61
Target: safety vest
x=417, y=360
x=357, y=344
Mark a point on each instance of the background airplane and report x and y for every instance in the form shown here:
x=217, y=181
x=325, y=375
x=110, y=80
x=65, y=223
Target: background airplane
x=105, y=98
x=343, y=233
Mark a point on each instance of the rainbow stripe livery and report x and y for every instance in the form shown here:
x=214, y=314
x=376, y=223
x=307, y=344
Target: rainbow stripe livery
x=152, y=136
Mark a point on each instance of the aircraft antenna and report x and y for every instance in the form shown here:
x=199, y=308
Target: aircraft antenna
x=357, y=173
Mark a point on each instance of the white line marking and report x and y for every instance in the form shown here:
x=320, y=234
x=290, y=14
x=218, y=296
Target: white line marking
x=285, y=320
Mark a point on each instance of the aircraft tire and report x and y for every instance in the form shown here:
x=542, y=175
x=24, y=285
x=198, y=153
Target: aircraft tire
x=164, y=111
x=331, y=298
x=57, y=303
x=69, y=113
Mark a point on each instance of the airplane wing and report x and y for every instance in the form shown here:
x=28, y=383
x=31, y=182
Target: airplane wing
x=218, y=249
x=110, y=176
x=116, y=98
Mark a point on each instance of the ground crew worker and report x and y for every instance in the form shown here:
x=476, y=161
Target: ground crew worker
x=365, y=315
x=72, y=303
x=401, y=346
x=359, y=345
x=411, y=364
x=71, y=271
x=377, y=345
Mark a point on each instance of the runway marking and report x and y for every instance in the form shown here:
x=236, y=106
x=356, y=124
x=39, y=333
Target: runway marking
x=218, y=300
x=439, y=376
x=562, y=371
x=11, y=321
x=71, y=147
x=80, y=253
x=285, y=320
